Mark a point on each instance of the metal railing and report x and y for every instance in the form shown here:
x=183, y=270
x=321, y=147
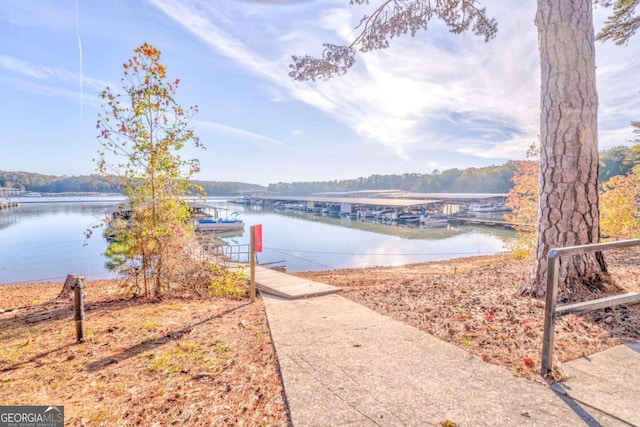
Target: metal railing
x=242, y=254
x=236, y=253
x=552, y=311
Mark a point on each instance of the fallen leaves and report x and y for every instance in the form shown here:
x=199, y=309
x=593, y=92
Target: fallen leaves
x=180, y=361
x=479, y=309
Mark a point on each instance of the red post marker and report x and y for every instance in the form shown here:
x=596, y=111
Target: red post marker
x=257, y=236
x=255, y=246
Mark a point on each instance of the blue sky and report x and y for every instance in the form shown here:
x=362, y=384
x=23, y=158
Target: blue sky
x=434, y=101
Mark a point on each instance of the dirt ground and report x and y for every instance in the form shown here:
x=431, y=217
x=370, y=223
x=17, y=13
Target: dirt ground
x=195, y=362
x=474, y=303
x=180, y=361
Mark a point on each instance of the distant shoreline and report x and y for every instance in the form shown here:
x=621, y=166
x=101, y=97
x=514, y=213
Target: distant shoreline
x=69, y=198
x=35, y=195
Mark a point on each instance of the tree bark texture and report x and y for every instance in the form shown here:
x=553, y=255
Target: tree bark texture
x=568, y=210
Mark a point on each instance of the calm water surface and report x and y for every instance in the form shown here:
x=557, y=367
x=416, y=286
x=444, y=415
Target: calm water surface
x=46, y=241
x=42, y=242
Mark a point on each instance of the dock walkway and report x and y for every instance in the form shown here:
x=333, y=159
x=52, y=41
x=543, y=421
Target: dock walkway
x=290, y=287
x=486, y=222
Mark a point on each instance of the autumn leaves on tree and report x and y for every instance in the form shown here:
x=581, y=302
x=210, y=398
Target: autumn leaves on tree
x=620, y=200
x=619, y=203
x=523, y=200
x=145, y=127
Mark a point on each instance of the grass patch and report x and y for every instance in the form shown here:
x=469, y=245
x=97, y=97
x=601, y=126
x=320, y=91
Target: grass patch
x=222, y=348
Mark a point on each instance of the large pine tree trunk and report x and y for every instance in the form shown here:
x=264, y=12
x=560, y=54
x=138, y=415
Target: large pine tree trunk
x=569, y=146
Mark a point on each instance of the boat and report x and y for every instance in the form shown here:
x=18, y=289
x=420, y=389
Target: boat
x=232, y=222
x=434, y=220
x=385, y=215
x=407, y=217
x=487, y=207
x=242, y=200
x=119, y=218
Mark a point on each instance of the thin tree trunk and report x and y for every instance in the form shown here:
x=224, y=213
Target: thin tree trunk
x=569, y=165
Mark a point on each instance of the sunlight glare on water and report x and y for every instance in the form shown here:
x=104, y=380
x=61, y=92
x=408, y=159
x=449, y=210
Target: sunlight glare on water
x=41, y=242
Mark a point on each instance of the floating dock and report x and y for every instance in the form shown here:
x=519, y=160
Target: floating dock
x=6, y=200
x=8, y=204
x=346, y=203
x=395, y=207
x=290, y=287
x=458, y=220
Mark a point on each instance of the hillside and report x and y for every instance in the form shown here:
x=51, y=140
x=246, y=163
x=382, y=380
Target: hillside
x=40, y=183
x=490, y=179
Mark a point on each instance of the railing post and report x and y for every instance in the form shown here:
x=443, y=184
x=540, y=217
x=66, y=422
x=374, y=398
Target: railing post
x=550, y=312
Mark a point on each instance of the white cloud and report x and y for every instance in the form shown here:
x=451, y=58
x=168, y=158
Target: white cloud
x=22, y=67
x=186, y=14
x=35, y=14
x=40, y=72
x=49, y=90
x=235, y=131
x=515, y=149
x=339, y=21
x=402, y=96
x=406, y=96
x=614, y=137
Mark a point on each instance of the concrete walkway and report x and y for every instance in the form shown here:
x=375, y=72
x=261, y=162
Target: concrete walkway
x=608, y=381
x=345, y=365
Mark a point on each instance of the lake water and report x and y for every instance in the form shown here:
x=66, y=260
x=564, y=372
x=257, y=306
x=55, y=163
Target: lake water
x=41, y=242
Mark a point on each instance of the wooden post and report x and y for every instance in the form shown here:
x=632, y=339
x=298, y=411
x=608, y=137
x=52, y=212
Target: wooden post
x=68, y=285
x=252, y=263
x=78, y=307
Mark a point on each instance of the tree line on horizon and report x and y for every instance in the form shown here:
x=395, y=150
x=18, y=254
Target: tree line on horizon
x=615, y=161
x=94, y=183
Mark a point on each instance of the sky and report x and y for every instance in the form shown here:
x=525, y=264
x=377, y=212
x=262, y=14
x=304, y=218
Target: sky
x=433, y=101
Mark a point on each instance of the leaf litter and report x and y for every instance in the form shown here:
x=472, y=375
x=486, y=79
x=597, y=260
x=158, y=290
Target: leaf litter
x=475, y=303
x=174, y=361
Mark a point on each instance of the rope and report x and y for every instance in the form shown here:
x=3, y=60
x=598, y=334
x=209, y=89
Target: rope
x=288, y=251
x=301, y=258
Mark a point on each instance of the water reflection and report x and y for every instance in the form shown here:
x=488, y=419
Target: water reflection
x=8, y=217
x=45, y=241
x=309, y=242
